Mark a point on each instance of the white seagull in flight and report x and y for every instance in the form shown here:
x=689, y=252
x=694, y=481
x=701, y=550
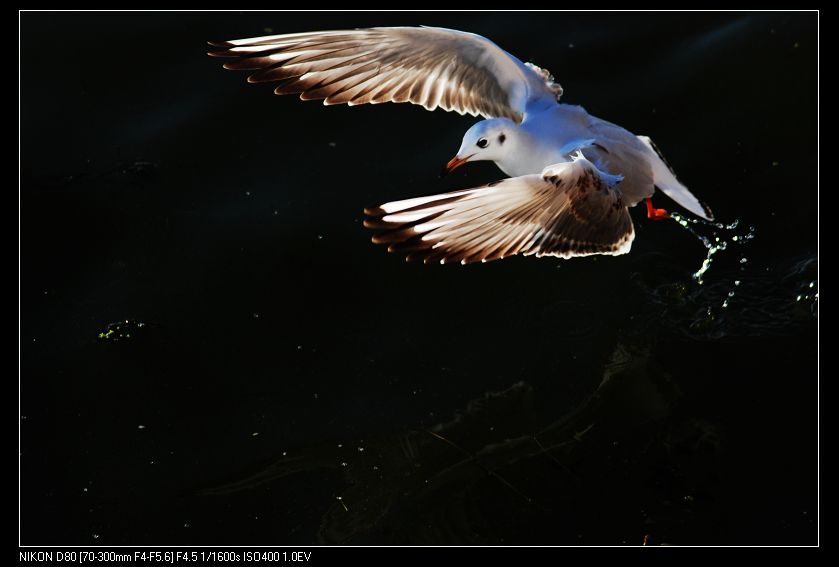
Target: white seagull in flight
x=572, y=175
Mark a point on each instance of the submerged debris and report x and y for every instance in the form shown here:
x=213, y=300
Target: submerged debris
x=138, y=167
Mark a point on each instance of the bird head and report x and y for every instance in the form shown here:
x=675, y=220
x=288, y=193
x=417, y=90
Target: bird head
x=487, y=140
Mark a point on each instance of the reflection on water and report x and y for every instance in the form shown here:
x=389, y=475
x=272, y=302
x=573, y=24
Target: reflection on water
x=748, y=301
x=432, y=485
x=441, y=483
x=418, y=487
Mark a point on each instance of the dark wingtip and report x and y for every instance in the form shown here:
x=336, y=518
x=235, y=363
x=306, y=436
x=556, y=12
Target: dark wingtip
x=708, y=212
x=376, y=224
x=373, y=211
x=226, y=44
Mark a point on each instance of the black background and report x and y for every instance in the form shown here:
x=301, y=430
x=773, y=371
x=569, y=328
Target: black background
x=157, y=187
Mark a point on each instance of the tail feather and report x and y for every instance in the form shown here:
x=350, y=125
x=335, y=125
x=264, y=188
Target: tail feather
x=665, y=180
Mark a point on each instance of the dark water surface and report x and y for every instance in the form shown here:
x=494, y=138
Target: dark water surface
x=293, y=383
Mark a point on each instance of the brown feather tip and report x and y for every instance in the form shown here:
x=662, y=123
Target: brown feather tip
x=379, y=224
x=243, y=65
x=376, y=211
x=226, y=44
x=219, y=54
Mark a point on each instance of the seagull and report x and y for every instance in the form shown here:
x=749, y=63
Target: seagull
x=572, y=176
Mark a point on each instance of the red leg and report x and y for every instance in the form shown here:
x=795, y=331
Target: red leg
x=656, y=214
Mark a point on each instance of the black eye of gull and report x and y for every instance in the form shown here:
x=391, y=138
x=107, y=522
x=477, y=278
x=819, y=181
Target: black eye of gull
x=501, y=138
x=482, y=143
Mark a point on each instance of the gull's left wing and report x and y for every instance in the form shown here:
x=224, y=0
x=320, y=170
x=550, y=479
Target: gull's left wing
x=571, y=209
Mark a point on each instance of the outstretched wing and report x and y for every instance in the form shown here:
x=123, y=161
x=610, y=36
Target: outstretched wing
x=432, y=67
x=571, y=209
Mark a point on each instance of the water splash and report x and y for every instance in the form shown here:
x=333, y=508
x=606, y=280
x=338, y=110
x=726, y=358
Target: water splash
x=720, y=238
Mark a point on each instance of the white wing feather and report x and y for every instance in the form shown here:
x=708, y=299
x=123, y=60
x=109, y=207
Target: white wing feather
x=431, y=67
x=571, y=209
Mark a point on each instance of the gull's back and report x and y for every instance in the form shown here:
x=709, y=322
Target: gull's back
x=612, y=149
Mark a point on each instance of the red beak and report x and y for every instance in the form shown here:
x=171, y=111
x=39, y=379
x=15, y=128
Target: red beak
x=453, y=164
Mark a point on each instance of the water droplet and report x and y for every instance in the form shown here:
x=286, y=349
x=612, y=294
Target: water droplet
x=255, y=433
x=713, y=243
x=141, y=427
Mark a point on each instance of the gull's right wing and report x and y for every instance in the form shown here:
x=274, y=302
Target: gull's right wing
x=431, y=67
